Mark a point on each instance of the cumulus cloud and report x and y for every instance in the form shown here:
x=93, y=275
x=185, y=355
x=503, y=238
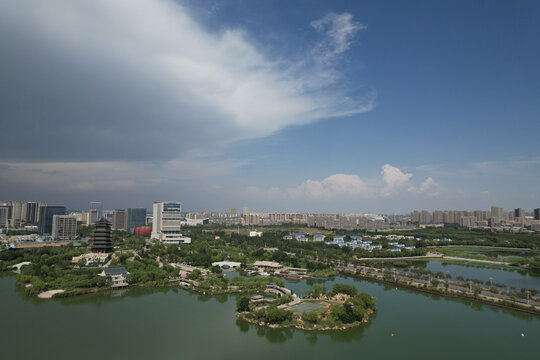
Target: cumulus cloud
x=394, y=180
x=427, y=187
x=337, y=184
x=141, y=80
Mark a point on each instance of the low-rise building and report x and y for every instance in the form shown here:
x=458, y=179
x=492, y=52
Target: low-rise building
x=267, y=265
x=118, y=276
x=92, y=258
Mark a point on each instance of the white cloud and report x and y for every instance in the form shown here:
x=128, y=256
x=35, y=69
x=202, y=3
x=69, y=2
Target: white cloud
x=427, y=187
x=393, y=182
x=394, y=179
x=122, y=73
x=340, y=31
x=337, y=184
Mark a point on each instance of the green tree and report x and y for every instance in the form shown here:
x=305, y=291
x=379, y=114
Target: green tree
x=318, y=290
x=242, y=303
x=195, y=274
x=345, y=289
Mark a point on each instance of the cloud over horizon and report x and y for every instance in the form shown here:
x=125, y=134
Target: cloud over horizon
x=392, y=182
x=140, y=80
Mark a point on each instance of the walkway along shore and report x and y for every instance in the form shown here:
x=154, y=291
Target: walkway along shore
x=500, y=303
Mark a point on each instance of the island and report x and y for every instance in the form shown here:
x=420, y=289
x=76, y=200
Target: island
x=341, y=308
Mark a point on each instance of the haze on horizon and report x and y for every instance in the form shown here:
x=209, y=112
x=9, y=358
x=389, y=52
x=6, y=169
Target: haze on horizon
x=282, y=106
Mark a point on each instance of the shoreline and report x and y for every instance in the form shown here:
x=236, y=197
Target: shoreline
x=499, y=303
x=242, y=317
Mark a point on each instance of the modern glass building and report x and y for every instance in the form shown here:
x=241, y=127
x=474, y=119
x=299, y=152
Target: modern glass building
x=46, y=214
x=136, y=217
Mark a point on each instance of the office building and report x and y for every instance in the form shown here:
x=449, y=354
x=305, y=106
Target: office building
x=98, y=207
x=64, y=227
x=166, y=223
x=120, y=220
x=536, y=214
x=136, y=217
x=46, y=214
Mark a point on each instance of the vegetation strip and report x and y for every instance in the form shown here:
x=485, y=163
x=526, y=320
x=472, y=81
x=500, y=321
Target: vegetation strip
x=501, y=303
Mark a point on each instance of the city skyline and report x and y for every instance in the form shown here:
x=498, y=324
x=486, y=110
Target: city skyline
x=328, y=108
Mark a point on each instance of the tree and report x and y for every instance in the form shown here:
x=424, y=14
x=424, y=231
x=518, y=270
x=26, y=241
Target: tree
x=195, y=274
x=242, y=303
x=477, y=289
x=318, y=290
x=310, y=317
x=345, y=289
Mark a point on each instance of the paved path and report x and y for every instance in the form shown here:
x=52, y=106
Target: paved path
x=49, y=294
x=427, y=256
x=477, y=260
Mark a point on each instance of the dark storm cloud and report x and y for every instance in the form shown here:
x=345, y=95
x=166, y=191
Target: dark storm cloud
x=137, y=80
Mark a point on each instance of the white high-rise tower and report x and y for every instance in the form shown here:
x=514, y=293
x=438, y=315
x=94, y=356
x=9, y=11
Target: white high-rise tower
x=166, y=223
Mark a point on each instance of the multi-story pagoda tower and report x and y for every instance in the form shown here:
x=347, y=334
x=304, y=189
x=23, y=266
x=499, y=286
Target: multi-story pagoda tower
x=102, y=242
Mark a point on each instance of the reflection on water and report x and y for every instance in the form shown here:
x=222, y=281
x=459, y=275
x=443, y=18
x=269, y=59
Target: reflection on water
x=282, y=335
x=164, y=323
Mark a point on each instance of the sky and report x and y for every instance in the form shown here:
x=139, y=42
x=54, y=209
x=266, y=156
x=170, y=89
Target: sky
x=280, y=106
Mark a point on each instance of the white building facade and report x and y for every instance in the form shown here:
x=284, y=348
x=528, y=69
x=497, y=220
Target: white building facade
x=166, y=223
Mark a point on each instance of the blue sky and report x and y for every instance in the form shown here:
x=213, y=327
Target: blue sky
x=312, y=106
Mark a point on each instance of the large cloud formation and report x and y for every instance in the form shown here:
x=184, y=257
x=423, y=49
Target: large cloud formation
x=140, y=80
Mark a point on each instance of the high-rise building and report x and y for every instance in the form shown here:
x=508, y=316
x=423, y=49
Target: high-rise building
x=32, y=212
x=98, y=207
x=425, y=217
x=480, y=215
x=415, y=217
x=18, y=213
x=166, y=223
x=120, y=220
x=64, y=227
x=136, y=217
x=536, y=213
x=467, y=221
x=46, y=214
x=438, y=217
x=519, y=213
x=497, y=212
x=102, y=242
x=4, y=216
x=232, y=212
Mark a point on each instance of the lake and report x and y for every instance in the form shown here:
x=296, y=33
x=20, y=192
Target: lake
x=518, y=279
x=175, y=324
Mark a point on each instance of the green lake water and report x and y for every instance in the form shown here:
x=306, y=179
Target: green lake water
x=516, y=278
x=174, y=324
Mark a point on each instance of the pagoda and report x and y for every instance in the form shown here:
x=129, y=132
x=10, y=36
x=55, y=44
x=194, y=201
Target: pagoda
x=102, y=242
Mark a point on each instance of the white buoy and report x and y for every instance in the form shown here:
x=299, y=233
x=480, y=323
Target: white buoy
x=522, y=334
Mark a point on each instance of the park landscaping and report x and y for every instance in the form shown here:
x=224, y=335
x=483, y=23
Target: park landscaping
x=341, y=308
